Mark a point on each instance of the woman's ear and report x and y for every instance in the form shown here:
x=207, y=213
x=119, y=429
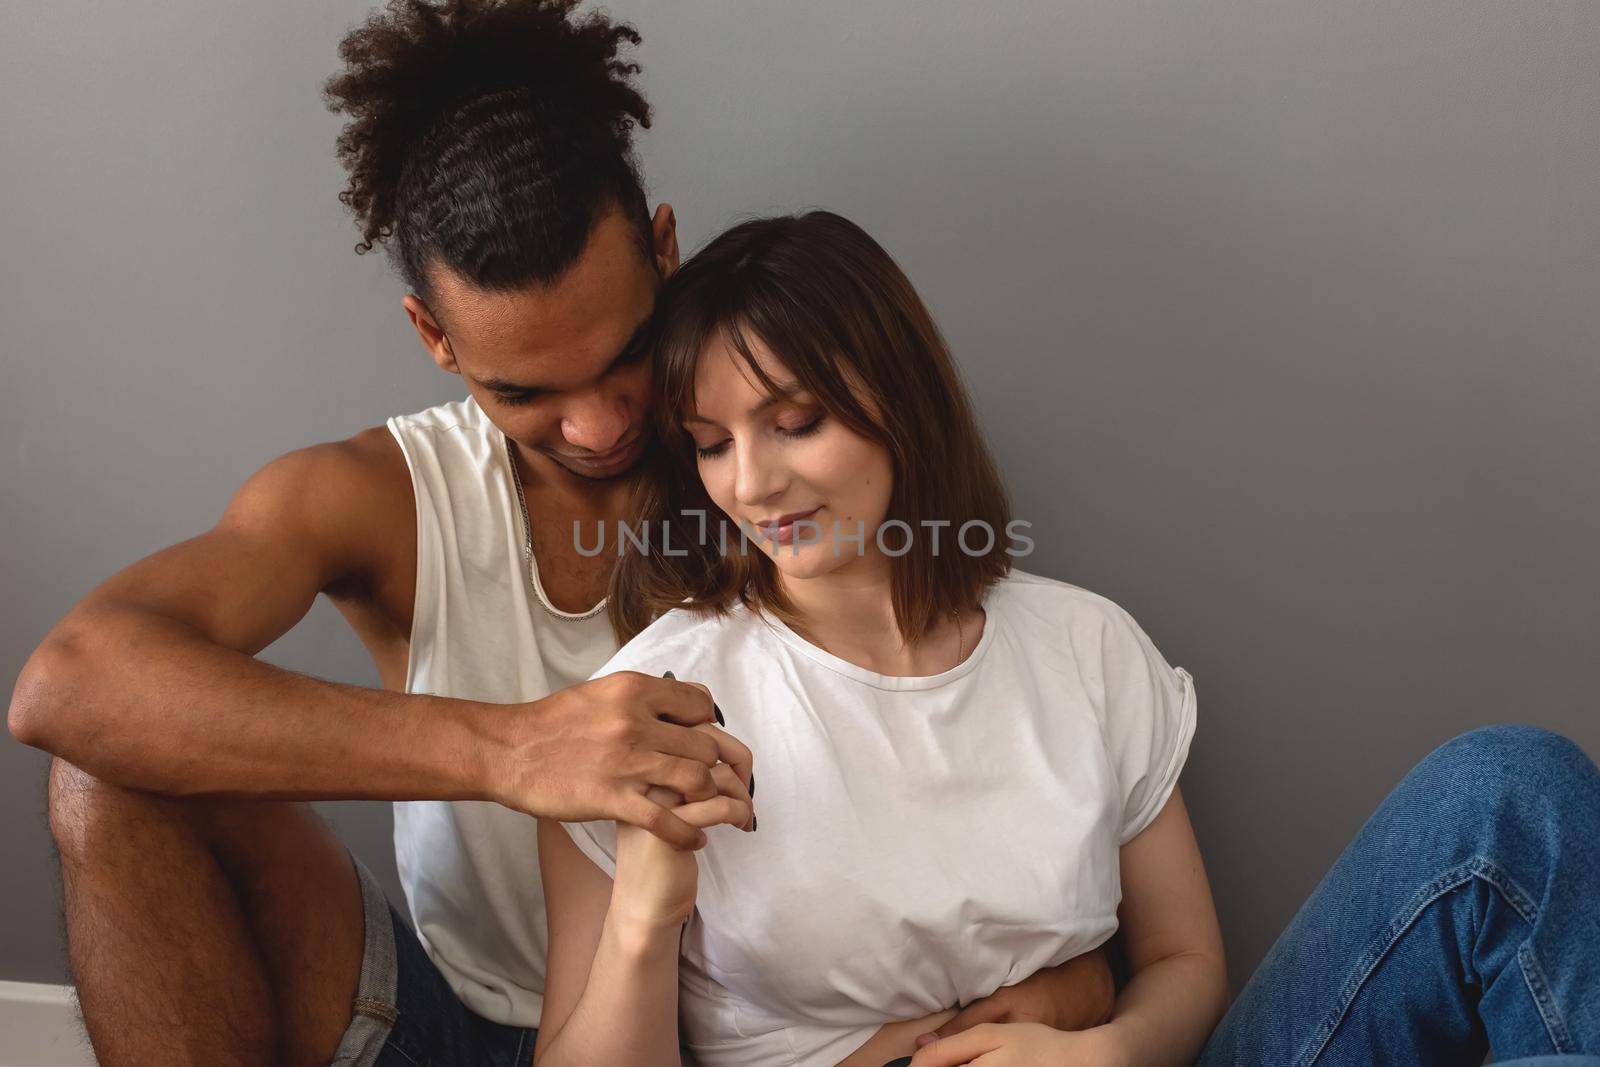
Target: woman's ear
x=430, y=332
x=664, y=235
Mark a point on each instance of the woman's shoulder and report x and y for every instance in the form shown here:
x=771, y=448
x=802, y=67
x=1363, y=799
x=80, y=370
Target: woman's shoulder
x=683, y=640
x=1062, y=619
x=1056, y=603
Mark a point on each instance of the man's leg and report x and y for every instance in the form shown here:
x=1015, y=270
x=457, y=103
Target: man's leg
x=1461, y=916
x=205, y=931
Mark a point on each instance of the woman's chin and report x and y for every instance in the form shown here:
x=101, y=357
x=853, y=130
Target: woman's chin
x=812, y=561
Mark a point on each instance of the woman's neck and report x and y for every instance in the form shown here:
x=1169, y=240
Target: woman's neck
x=851, y=615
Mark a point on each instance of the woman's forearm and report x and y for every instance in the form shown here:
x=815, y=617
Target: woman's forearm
x=629, y=1009
x=1169, y=1008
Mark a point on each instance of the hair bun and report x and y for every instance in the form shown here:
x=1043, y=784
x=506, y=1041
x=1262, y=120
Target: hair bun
x=413, y=63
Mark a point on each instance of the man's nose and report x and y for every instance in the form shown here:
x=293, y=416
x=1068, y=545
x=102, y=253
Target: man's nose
x=598, y=421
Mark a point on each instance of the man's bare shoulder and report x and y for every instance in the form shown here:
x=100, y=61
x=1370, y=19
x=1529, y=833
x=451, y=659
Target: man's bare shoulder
x=355, y=473
x=352, y=496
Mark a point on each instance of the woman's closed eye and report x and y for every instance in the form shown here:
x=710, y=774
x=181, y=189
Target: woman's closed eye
x=712, y=451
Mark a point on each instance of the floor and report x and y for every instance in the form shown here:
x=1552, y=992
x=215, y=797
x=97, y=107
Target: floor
x=39, y=1027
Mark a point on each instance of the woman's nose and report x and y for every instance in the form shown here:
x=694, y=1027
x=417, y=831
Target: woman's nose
x=759, y=477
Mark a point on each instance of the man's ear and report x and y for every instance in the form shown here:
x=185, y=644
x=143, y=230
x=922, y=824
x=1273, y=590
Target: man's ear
x=429, y=330
x=664, y=234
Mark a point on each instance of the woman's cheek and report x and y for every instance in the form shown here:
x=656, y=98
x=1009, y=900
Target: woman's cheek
x=719, y=488
x=859, y=485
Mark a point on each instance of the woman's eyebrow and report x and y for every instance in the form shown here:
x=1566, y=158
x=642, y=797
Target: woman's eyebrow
x=786, y=391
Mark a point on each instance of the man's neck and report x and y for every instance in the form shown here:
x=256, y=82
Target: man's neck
x=560, y=491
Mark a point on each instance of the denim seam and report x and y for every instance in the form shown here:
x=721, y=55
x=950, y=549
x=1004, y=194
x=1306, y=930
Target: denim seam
x=1544, y=1000
x=1532, y=973
x=1454, y=878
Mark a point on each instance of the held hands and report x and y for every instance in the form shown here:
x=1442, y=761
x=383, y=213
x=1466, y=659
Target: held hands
x=1026, y=1045
x=1074, y=995
x=655, y=884
x=1027, y=1023
x=627, y=747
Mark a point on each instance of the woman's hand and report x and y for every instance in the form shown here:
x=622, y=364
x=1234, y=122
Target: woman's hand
x=655, y=883
x=1026, y=1045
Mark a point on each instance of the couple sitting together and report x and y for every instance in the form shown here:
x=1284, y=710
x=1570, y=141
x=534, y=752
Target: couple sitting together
x=812, y=772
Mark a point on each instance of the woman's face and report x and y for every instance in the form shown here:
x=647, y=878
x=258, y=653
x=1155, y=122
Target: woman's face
x=764, y=459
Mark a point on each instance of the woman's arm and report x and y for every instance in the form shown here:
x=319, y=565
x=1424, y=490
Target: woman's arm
x=611, y=985
x=1178, y=991
x=1173, y=944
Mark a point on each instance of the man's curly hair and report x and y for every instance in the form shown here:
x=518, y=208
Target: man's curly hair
x=487, y=136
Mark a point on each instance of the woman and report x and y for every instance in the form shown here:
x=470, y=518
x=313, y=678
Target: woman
x=969, y=772
x=964, y=767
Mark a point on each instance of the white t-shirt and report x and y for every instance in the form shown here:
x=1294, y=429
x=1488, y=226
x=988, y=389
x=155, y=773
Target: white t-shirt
x=923, y=841
x=482, y=629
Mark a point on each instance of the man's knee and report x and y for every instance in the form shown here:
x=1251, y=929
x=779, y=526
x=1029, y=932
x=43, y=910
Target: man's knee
x=92, y=819
x=86, y=814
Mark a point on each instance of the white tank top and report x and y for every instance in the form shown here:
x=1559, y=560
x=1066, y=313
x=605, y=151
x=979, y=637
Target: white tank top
x=482, y=629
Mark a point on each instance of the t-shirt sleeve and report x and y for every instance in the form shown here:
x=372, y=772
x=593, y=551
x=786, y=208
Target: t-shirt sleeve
x=1150, y=721
x=598, y=841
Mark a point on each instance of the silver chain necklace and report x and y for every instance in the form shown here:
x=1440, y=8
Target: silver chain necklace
x=527, y=549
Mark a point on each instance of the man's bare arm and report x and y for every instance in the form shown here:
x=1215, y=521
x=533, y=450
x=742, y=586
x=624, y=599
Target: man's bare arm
x=152, y=682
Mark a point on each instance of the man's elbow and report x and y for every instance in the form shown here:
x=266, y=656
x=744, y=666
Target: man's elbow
x=45, y=701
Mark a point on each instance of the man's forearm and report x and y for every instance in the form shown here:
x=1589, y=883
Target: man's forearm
x=149, y=703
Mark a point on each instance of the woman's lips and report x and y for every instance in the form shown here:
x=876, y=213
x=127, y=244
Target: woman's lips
x=783, y=533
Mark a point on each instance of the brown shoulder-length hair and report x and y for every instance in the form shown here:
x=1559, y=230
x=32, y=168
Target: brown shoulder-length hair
x=830, y=303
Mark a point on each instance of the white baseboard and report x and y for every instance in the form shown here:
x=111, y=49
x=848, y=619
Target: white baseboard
x=39, y=1027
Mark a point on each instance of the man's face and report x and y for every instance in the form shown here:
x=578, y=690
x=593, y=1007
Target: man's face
x=564, y=370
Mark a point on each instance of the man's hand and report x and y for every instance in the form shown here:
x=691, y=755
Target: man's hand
x=596, y=749
x=1075, y=995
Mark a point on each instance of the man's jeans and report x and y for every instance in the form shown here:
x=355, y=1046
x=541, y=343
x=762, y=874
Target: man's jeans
x=1464, y=916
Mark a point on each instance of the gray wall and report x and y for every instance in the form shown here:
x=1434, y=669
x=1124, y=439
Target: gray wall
x=1283, y=318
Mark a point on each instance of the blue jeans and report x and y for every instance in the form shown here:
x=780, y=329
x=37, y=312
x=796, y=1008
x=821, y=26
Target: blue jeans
x=405, y=1013
x=1464, y=916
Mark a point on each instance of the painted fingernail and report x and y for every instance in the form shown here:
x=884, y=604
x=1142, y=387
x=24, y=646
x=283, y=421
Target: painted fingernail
x=753, y=826
x=718, y=713
x=752, y=785
x=903, y=1061
x=669, y=674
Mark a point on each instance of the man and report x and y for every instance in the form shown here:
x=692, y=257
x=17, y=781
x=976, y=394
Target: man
x=212, y=918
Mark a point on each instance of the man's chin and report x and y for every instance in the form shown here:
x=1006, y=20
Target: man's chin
x=601, y=472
